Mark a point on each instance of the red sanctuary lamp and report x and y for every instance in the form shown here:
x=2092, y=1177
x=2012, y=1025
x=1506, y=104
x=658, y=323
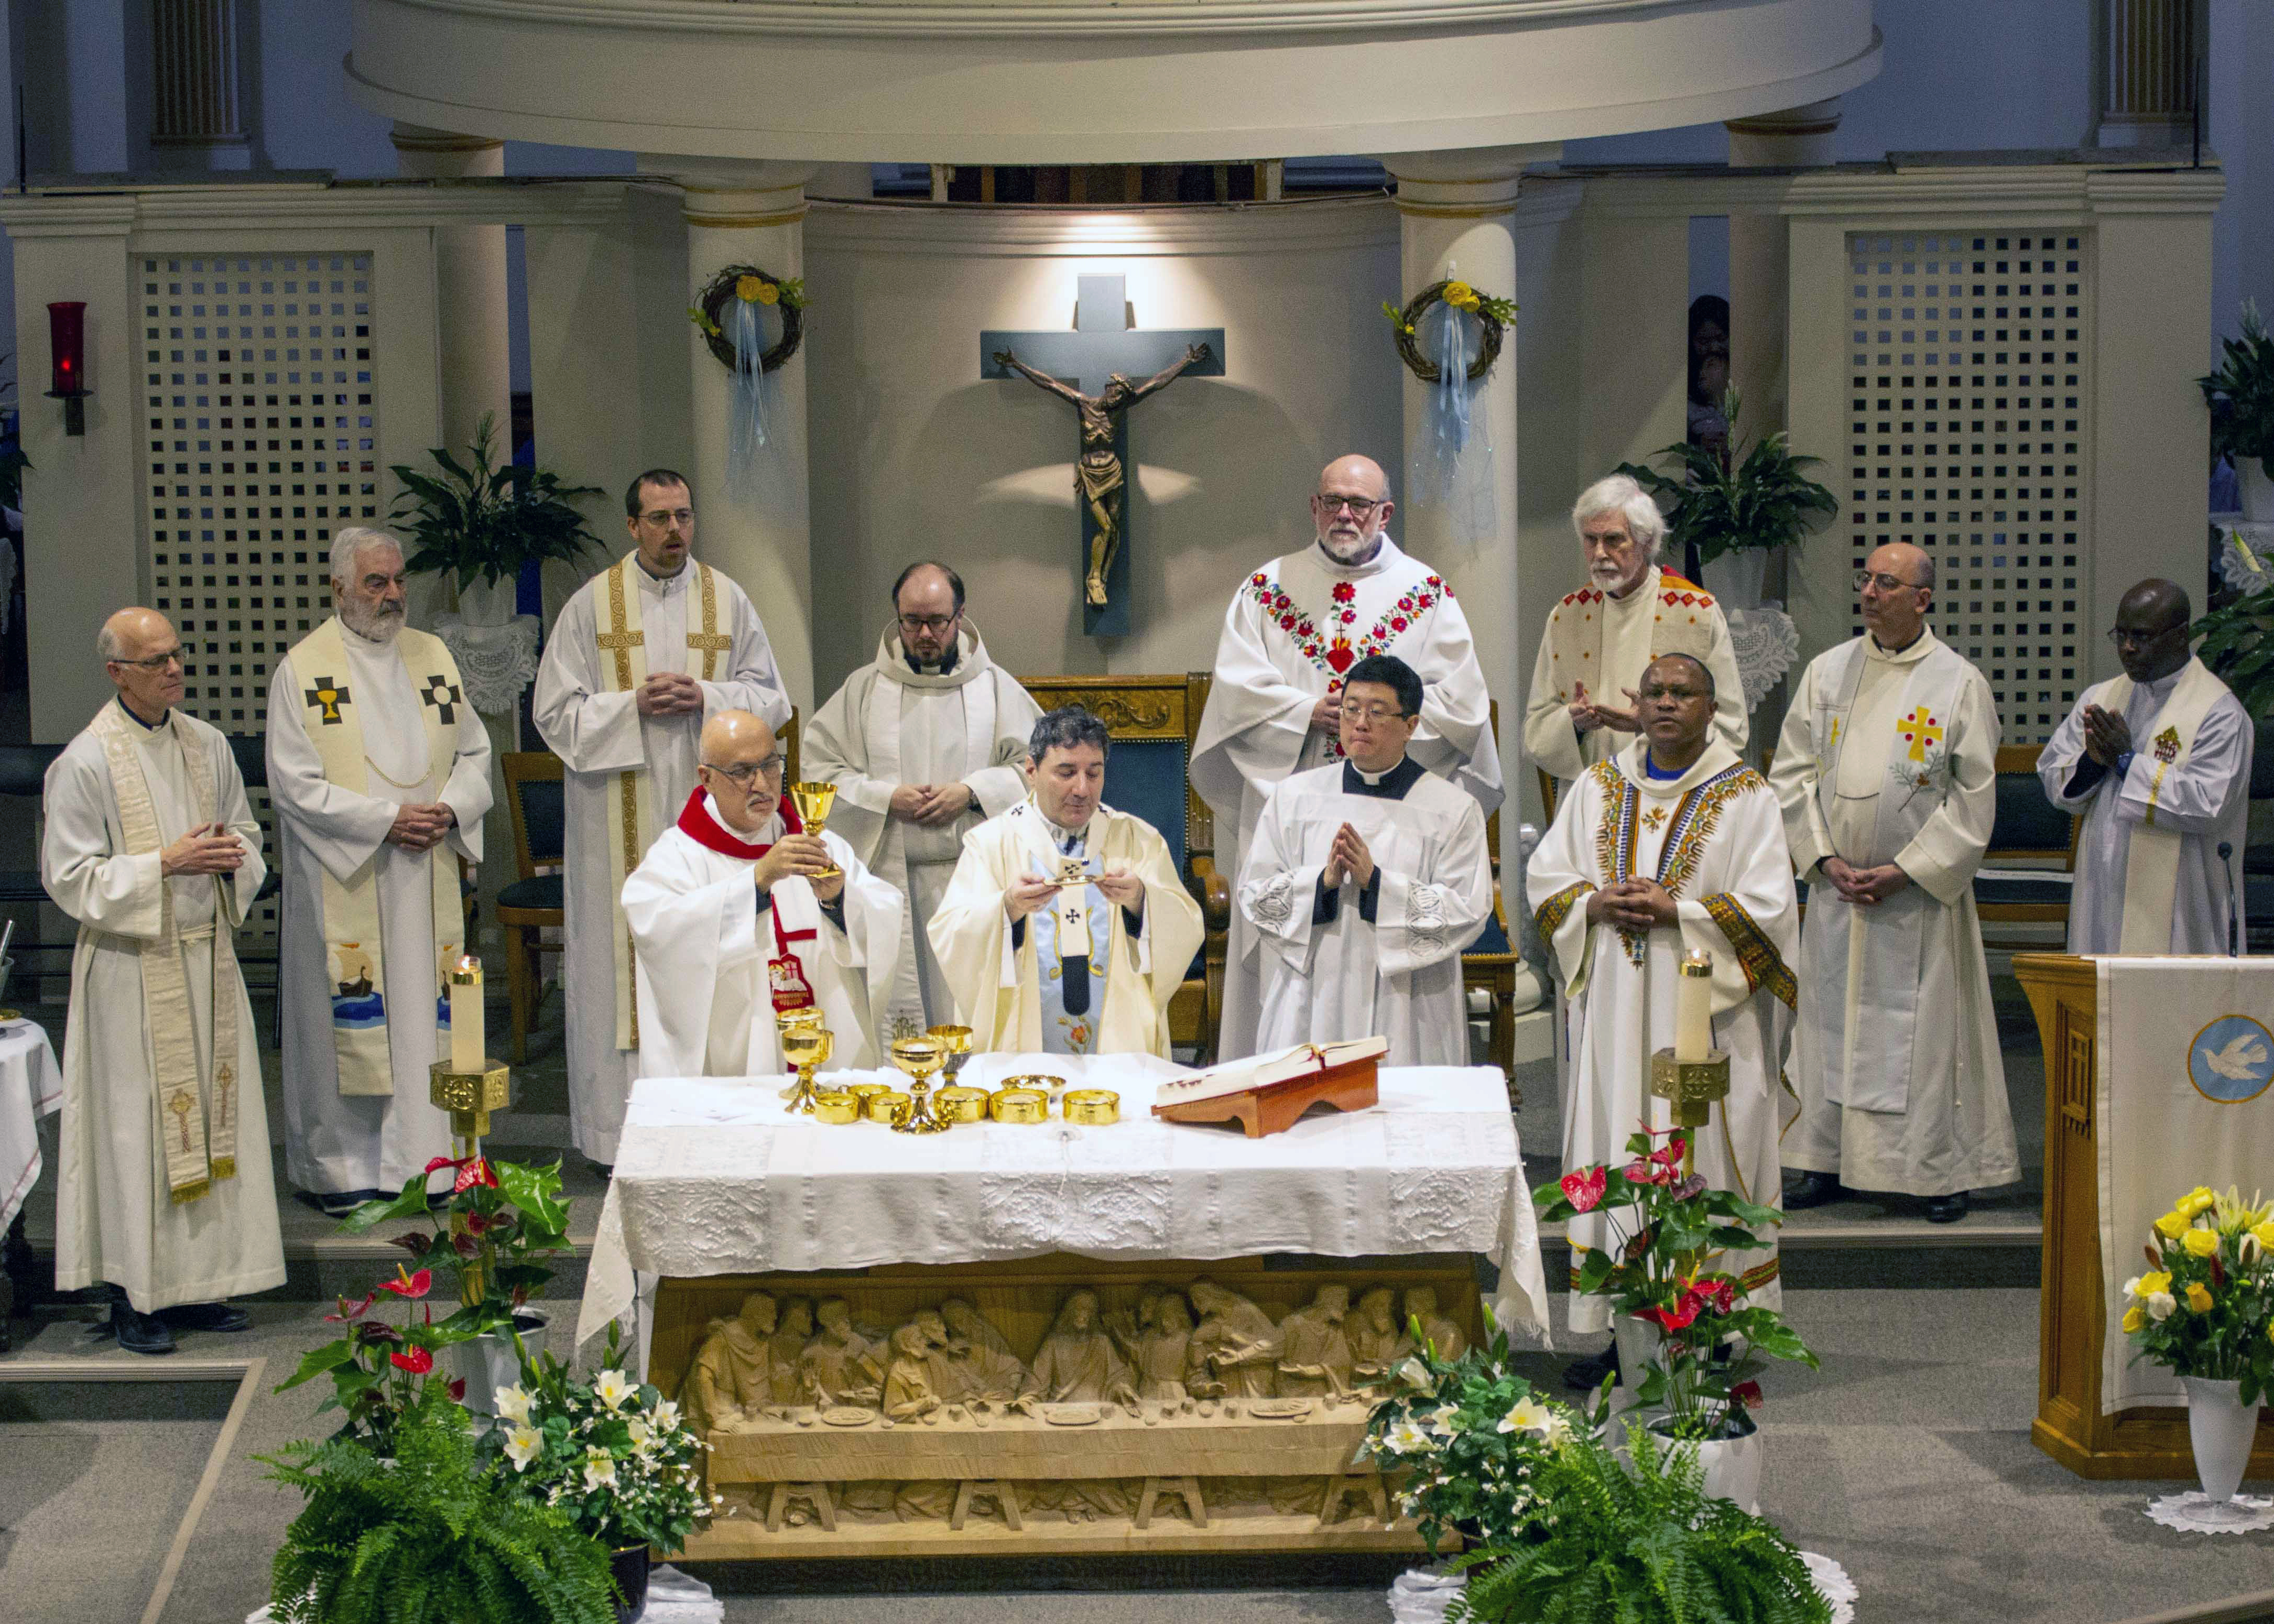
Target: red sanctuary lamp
x=67, y=344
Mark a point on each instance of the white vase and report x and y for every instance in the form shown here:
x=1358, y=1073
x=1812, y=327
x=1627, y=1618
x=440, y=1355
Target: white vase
x=488, y=603
x=486, y=1363
x=1638, y=1342
x=2221, y=1428
x=1733, y=1465
x=1735, y=578
x=2258, y=490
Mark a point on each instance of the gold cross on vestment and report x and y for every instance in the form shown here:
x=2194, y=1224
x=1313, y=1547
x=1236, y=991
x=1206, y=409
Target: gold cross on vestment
x=224, y=1079
x=181, y=1105
x=1921, y=730
x=620, y=640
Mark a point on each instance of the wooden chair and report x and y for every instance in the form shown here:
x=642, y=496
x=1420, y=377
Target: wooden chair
x=2031, y=831
x=1488, y=964
x=1153, y=721
x=536, y=795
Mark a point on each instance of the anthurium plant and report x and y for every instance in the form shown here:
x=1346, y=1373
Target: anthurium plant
x=484, y=1237
x=2206, y=1306
x=378, y=1367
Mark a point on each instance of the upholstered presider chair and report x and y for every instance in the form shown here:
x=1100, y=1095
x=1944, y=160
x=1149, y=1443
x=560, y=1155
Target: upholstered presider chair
x=2029, y=871
x=532, y=903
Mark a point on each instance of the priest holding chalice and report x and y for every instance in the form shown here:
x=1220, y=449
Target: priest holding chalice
x=740, y=912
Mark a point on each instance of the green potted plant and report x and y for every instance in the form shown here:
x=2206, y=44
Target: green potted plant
x=423, y=1533
x=2238, y=640
x=378, y=1368
x=2240, y=395
x=1739, y=510
x=1639, y=1540
x=482, y=522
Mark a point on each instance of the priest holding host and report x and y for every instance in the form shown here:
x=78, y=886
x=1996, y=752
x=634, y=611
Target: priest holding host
x=2158, y=763
x=1888, y=774
x=163, y=1187
x=1066, y=928
x=1582, y=708
x=640, y=656
x=738, y=913
x=379, y=774
x=923, y=744
x=1673, y=846
x=1291, y=635
x=1363, y=882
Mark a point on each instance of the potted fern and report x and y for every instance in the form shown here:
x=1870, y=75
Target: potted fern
x=1737, y=509
x=2240, y=395
x=483, y=522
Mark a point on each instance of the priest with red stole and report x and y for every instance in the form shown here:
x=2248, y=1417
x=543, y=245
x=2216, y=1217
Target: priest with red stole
x=734, y=919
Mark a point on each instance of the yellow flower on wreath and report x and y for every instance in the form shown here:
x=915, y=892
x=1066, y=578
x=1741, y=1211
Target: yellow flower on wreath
x=752, y=290
x=1460, y=296
x=2200, y=1243
x=2198, y=1296
x=769, y=293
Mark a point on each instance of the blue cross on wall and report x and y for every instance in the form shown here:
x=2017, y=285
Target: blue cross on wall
x=1101, y=344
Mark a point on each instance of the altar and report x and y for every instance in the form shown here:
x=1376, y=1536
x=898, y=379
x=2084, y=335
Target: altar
x=1053, y=1338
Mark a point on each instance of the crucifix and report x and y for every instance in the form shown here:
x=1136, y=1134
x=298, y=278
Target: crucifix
x=1101, y=369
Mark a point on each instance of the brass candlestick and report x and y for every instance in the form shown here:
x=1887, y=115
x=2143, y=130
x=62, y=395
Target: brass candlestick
x=1690, y=1086
x=813, y=801
x=470, y=1097
x=806, y=1045
x=921, y=1058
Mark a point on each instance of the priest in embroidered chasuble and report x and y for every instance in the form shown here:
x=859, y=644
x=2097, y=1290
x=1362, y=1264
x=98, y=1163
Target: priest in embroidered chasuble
x=2158, y=763
x=163, y=1187
x=379, y=773
x=923, y=744
x=1887, y=774
x=1580, y=709
x=1291, y=636
x=1364, y=882
x=1674, y=846
x=1066, y=929
x=639, y=657
x=735, y=922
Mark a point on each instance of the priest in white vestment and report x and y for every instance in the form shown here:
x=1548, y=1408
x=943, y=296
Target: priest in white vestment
x=923, y=744
x=640, y=656
x=736, y=922
x=379, y=773
x=1364, y=882
x=1887, y=774
x=1293, y=630
x=1581, y=707
x=1674, y=846
x=2158, y=763
x=1057, y=895
x=164, y=1187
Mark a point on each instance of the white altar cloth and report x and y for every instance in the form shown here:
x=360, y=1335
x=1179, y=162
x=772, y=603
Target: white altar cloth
x=31, y=1086
x=714, y=1178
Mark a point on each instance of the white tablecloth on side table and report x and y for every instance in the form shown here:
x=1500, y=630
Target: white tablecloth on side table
x=31, y=1086
x=714, y=1178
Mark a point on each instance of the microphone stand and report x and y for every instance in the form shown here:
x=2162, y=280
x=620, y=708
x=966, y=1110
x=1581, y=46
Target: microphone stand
x=2234, y=918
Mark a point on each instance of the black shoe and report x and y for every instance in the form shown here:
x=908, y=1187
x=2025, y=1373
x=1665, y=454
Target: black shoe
x=1945, y=1208
x=1585, y=1375
x=340, y=1203
x=206, y=1316
x=603, y=1171
x=1812, y=1190
x=139, y=1333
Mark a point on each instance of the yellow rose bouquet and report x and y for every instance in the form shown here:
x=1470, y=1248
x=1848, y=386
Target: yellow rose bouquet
x=2206, y=1305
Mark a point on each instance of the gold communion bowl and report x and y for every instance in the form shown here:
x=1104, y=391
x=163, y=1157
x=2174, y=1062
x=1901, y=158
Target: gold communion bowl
x=1024, y=1106
x=838, y=1106
x=1092, y=1108
x=885, y=1105
x=958, y=1103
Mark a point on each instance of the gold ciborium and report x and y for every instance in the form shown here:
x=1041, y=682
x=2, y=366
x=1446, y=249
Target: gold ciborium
x=813, y=801
x=921, y=1058
x=806, y=1045
x=955, y=1043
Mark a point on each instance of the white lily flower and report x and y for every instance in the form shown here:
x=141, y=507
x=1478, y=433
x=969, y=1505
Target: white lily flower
x=612, y=1388
x=1414, y=1373
x=1529, y=1415
x=1442, y=1418
x=599, y=1469
x=642, y=1435
x=666, y=1415
x=524, y=1443
x=1406, y=1438
x=2161, y=1305
x=513, y=1404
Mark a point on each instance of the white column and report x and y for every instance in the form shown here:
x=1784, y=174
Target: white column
x=754, y=214
x=470, y=286
x=1456, y=216
x=2147, y=54
x=1760, y=260
x=197, y=118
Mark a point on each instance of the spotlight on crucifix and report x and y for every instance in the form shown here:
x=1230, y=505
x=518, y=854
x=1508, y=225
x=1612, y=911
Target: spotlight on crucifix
x=1101, y=369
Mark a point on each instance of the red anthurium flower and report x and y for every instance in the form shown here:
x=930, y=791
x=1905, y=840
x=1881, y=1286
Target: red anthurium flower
x=351, y=1312
x=475, y=1173
x=476, y=1225
x=1720, y=1295
x=465, y=1246
x=417, y=1361
x=1648, y=1173
x=410, y=1285
x=1584, y=1190
x=458, y=1391
x=1672, y=1154
x=374, y=1332
x=1679, y=1318
x=440, y=1162
x=1747, y=1394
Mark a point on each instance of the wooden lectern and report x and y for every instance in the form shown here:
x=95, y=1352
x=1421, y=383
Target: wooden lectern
x=2148, y=1441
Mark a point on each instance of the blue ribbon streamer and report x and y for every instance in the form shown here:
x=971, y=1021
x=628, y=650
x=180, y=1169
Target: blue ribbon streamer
x=1453, y=461
x=746, y=416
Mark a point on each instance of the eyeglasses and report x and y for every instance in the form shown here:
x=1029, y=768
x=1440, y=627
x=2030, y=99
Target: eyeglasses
x=1886, y=582
x=682, y=517
x=1372, y=714
x=743, y=772
x=1360, y=506
x=933, y=623
x=180, y=655
x=2125, y=637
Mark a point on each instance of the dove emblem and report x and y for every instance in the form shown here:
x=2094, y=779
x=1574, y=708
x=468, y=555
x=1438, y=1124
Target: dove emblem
x=2232, y=1060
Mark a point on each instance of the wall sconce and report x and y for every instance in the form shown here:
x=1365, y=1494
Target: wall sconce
x=67, y=344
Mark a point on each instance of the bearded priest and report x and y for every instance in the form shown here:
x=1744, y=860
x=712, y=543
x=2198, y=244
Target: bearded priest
x=1290, y=636
x=1055, y=895
x=1672, y=847
x=734, y=921
x=1364, y=882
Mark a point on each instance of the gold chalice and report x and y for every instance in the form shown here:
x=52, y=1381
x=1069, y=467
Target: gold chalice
x=955, y=1043
x=806, y=1015
x=813, y=800
x=805, y=1045
x=921, y=1058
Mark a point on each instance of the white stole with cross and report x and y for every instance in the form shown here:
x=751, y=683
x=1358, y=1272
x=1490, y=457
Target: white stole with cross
x=2151, y=860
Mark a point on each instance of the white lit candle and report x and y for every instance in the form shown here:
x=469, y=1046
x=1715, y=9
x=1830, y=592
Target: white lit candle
x=469, y=1044
x=1693, y=1008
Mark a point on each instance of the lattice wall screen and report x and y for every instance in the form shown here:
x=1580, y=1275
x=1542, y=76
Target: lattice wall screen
x=261, y=432
x=1968, y=429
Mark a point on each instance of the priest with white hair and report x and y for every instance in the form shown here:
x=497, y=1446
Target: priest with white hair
x=164, y=1189
x=640, y=656
x=1582, y=706
x=379, y=773
x=739, y=914
x=1290, y=636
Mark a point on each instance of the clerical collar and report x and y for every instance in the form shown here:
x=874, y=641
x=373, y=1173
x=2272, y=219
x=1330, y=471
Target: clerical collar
x=1923, y=630
x=700, y=822
x=1059, y=833
x=148, y=727
x=662, y=584
x=1390, y=786
x=1384, y=555
x=946, y=665
x=1663, y=775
